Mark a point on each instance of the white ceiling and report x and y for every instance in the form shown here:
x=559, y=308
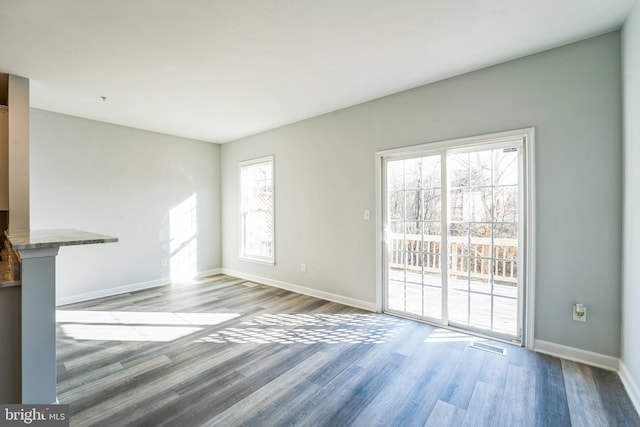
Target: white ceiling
x=218, y=70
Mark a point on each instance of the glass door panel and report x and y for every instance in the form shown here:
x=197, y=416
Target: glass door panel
x=414, y=237
x=483, y=239
x=468, y=277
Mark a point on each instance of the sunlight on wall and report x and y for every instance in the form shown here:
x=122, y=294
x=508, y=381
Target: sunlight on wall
x=183, y=240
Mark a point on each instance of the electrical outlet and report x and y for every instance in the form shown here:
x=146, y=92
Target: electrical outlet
x=367, y=215
x=164, y=262
x=580, y=313
x=303, y=268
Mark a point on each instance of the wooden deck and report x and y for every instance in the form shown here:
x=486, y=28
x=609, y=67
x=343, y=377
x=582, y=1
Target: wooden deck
x=227, y=353
x=469, y=302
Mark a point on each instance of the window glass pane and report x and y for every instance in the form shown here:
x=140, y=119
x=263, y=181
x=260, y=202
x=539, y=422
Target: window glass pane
x=431, y=268
x=506, y=271
x=480, y=231
x=480, y=272
x=480, y=204
x=432, y=204
x=458, y=302
x=397, y=273
x=396, y=205
x=431, y=238
x=396, y=227
x=480, y=310
x=505, y=204
x=396, y=242
x=431, y=172
x=458, y=264
x=413, y=230
x=397, y=259
x=506, y=231
x=414, y=272
x=395, y=175
x=480, y=168
x=458, y=204
x=432, y=231
x=413, y=236
x=413, y=299
x=458, y=229
x=505, y=250
x=432, y=301
x=481, y=249
x=505, y=166
x=413, y=174
x=458, y=170
x=413, y=205
x=505, y=314
x=257, y=209
x=505, y=289
x=395, y=294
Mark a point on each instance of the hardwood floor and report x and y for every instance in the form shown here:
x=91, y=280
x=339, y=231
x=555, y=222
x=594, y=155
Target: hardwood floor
x=228, y=352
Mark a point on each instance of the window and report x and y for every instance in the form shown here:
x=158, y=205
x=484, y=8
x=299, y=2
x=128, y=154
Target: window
x=257, y=222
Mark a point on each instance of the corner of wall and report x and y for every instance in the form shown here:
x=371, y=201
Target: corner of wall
x=630, y=385
x=590, y=358
x=630, y=330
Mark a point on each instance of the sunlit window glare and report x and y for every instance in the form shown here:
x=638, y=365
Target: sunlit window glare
x=126, y=332
x=267, y=328
x=297, y=328
x=135, y=326
x=447, y=335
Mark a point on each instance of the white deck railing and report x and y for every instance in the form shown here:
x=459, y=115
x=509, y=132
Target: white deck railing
x=416, y=252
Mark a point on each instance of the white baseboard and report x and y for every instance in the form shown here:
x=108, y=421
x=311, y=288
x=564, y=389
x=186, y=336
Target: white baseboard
x=71, y=299
x=211, y=272
x=352, y=302
x=633, y=390
x=598, y=360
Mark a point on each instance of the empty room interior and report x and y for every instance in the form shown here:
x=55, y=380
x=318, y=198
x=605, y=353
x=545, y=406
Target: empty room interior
x=321, y=213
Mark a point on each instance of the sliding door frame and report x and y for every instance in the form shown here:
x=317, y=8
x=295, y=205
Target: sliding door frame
x=527, y=203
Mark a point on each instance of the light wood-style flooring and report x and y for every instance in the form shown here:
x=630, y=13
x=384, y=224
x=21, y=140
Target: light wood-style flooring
x=226, y=352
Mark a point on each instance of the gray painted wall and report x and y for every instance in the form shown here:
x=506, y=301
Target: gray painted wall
x=122, y=182
x=325, y=179
x=630, y=352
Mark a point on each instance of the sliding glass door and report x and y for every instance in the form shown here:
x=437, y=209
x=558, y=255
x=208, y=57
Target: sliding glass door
x=453, y=235
x=414, y=236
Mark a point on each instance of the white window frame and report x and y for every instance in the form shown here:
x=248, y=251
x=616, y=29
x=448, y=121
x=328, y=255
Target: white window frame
x=528, y=202
x=270, y=260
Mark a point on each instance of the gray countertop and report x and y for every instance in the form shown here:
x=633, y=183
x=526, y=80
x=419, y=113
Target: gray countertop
x=37, y=239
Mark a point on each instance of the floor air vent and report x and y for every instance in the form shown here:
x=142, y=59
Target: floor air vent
x=488, y=347
x=249, y=284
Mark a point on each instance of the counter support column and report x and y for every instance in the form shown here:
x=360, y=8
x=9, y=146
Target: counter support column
x=39, y=325
x=38, y=250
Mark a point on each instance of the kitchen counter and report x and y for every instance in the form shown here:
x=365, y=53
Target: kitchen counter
x=40, y=239
x=37, y=250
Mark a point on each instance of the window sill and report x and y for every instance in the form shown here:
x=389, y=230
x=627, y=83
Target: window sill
x=262, y=261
